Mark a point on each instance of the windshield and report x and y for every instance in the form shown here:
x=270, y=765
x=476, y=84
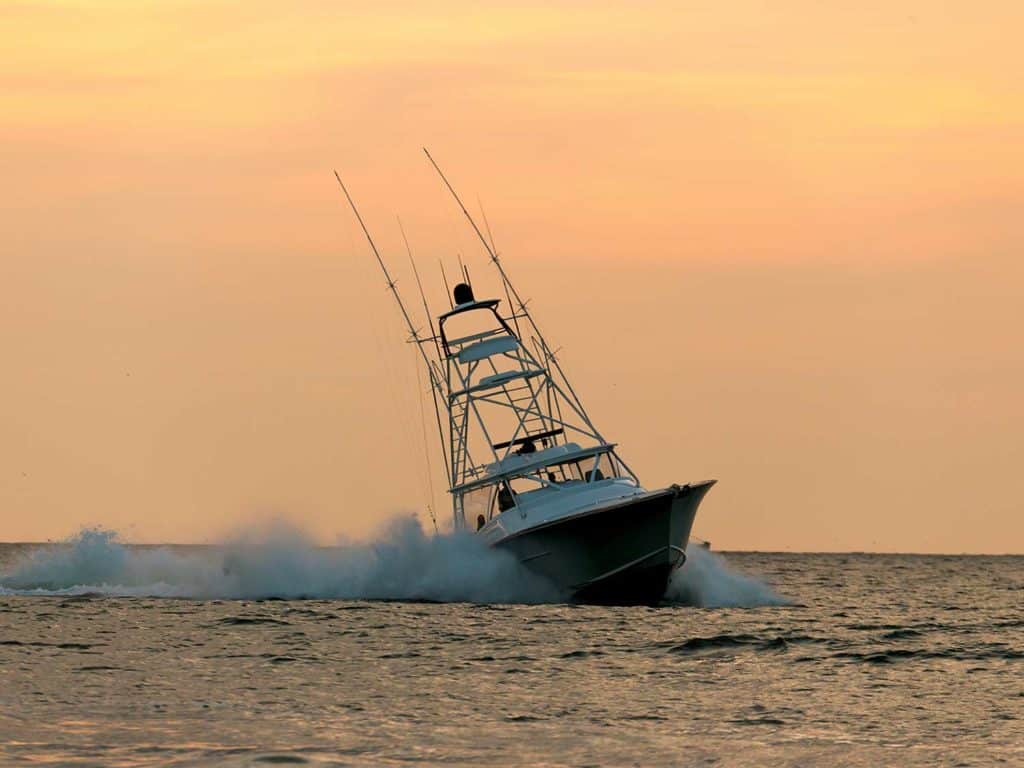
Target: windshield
x=490, y=500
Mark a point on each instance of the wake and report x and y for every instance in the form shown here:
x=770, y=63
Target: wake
x=401, y=563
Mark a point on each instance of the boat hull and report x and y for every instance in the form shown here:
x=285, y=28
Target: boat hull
x=622, y=552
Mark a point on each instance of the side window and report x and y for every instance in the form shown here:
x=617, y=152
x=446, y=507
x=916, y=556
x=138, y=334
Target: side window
x=503, y=499
x=562, y=473
x=601, y=469
x=524, y=484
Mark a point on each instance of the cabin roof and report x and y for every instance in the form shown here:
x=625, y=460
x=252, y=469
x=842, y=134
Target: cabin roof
x=521, y=464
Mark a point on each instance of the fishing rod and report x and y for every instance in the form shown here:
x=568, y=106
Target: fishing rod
x=436, y=387
x=392, y=285
x=437, y=348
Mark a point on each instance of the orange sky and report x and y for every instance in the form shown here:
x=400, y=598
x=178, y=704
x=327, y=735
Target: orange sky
x=780, y=243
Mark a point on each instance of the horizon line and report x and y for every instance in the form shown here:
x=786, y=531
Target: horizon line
x=711, y=549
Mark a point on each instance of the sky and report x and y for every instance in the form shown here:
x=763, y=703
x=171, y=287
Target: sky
x=779, y=244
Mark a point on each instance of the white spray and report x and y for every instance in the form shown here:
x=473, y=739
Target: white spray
x=705, y=580
x=401, y=563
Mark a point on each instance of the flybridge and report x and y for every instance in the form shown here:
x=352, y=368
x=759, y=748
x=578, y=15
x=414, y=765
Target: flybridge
x=506, y=414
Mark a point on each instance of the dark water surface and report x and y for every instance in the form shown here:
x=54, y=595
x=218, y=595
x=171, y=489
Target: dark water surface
x=878, y=659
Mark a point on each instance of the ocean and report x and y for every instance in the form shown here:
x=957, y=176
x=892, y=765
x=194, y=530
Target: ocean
x=413, y=650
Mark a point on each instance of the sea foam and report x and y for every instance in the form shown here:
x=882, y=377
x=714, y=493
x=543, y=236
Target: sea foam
x=707, y=581
x=402, y=562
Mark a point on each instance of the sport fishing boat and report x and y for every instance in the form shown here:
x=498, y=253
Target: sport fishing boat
x=527, y=468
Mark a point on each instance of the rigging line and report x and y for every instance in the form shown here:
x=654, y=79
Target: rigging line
x=419, y=283
x=426, y=446
x=487, y=224
x=508, y=297
x=511, y=306
x=435, y=382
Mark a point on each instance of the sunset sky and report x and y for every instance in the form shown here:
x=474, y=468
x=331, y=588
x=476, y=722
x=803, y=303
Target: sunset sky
x=780, y=243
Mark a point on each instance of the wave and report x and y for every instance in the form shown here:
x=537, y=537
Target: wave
x=986, y=652
x=401, y=563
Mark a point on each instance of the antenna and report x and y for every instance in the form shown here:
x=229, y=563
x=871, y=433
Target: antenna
x=447, y=288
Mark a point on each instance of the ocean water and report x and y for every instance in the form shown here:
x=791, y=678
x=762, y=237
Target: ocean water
x=415, y=650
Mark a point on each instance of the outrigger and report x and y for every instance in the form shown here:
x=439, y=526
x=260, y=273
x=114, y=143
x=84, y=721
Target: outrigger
x=527, y=468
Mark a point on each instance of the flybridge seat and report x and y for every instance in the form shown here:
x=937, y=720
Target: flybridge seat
x=486, y=348
x=496, y=380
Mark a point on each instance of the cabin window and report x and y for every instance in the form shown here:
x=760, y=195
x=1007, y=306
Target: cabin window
x=478, y=501
x=562, y=473
x=525, y=483
x=491, y=500
x=589, y=469
x=601, y=467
